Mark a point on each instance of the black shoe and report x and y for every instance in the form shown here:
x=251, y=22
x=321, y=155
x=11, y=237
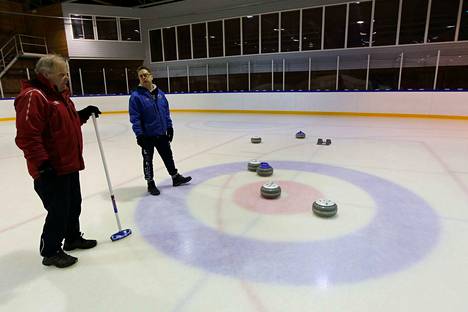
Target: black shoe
x=60, y=260
x=79, y=243
x=152, y=189
x=180, y=179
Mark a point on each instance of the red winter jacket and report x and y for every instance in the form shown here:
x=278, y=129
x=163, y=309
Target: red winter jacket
x=48, y=128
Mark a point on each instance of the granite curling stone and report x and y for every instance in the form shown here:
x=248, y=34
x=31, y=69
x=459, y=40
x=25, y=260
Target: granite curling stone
x=264, y=170
x=253, y=165
x=270, y=190
x=324, y=208
x=256, y=139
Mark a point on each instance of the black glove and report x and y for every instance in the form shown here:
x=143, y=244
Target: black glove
x=170, y=133
x=46, y=171
x=144, y=141
x=86, y=112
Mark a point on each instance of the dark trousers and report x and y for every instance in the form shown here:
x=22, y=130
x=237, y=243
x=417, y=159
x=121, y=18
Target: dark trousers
x=61, y=196
x=163, y=146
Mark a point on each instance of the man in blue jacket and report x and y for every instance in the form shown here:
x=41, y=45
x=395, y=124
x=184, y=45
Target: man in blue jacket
x=152, y=124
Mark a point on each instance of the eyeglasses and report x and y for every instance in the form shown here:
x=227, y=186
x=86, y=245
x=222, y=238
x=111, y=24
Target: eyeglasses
x=144, y=75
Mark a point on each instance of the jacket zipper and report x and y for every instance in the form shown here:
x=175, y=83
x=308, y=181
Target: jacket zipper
x=155, y=106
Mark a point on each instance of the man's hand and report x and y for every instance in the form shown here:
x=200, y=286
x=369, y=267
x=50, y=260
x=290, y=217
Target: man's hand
x=86, y=112
x=46, y=171
x=144, y=141
x=170, y=133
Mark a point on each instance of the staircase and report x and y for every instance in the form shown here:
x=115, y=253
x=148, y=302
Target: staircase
x=20, y=46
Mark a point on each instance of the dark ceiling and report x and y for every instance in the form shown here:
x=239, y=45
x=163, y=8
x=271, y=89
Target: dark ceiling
x=34, y=4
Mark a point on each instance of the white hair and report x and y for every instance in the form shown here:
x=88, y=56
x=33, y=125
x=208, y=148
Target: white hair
x=47, y=64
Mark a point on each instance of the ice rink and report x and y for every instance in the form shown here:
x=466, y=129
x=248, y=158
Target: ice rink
x=398, y=242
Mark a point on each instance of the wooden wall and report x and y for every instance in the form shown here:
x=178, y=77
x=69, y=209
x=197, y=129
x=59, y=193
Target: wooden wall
x=10, y=24
x=50, y=28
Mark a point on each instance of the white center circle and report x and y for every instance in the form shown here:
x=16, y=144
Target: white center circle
x=213, y=203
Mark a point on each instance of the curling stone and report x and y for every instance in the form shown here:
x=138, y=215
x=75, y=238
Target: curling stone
x=324, y=208
x=300, y=135
x=270, y=190
x=322, y=142
x=264, y=170
x=253, y=165
x=256, y=139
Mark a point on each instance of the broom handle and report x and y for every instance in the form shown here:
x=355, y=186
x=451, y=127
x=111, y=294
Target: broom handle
x=106, y=171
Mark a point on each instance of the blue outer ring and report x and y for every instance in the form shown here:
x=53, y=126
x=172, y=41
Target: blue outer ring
x=402, y=232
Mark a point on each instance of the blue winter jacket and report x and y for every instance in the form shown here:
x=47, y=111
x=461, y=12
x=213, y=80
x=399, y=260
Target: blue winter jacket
x=149, y=116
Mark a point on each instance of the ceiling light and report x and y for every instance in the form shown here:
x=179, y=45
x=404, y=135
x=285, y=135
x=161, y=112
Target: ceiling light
x=360, y=22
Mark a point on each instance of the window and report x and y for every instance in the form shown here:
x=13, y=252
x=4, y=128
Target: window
x=290, y=31
x=93, y=80
x=199, y=40
x=106, y=28
x=261, y=76
x=270, y=32
x=160, y=79
x=335, y=25
x=198, y=79
x=418, y=70
x=115, y=80
x=250, y=34
x=170, y=52
x=278, y=75
x=217, y=79
x=130, y=29
x=297, y=75
x=443, y=20
x=353, y=72
x=453, y=70
x=93, y=77
x=312, y=29
x=238, y=77
x=82, y=27
x=184, y=42
x=464, y=22
x=178, y=79
x=215, y=38
x=359, y=24
x=384, y=70
x=75, y=80
x=156, y=45
x=323, y=73
x=232, y=36
x=385, y=22
x=413, y=21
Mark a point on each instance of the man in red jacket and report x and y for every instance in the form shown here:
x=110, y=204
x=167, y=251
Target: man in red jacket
x=49, y=134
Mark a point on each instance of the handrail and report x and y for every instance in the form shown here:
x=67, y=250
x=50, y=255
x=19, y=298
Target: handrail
x=8, y=42
x=18, y=45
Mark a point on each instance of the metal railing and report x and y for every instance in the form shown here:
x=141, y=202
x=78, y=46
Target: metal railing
x=20, y=45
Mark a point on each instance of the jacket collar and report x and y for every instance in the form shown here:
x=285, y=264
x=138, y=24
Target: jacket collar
x=44, y=84
x=142, y=89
